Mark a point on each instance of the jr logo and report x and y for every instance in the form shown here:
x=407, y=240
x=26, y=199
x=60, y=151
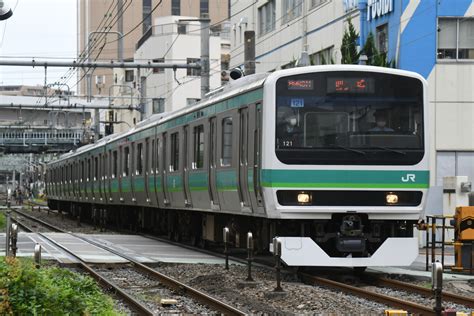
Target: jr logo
x=410, y=177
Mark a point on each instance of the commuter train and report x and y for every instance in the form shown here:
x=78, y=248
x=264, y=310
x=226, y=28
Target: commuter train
x=333, y=160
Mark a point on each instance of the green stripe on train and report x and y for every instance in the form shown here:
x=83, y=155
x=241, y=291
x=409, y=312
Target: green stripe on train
x=374, y=179
x=198, y=181
x=226, y=180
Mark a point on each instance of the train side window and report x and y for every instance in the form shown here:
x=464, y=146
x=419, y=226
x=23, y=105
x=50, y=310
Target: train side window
x=139, y=159
x=198, y=159
x=96, y=168
x=156, y=161
x=226, y=153
x=126, y=159
x=82, y=171
x=89, y=170
x=114, y=164
x=174, y=166
x=152, y=158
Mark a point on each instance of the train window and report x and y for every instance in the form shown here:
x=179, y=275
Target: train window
x=147, y=155
x=226, y=153
x=174, y=166
x=83, y=171
x=89, y=169
x=126, y=161
x=153, y=158
x=114, y=164
x=96, y=168
x=139, y=159
x=157, y=158
x=198, y=161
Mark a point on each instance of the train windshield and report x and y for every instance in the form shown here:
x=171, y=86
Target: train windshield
x=349, y=117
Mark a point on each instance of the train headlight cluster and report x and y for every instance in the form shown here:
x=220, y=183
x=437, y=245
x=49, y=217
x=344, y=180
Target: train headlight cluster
x=304, y=198
x=391, y=198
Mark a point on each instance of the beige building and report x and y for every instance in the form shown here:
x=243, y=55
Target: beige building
x=102, y=16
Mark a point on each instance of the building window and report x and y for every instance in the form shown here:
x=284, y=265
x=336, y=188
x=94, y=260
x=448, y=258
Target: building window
x=456, y=38
x=266, y=17
x=129, y=75
x=291, y=9
x=192, y=71
x=158, y=70
x=181, y=28
x=158, y=105
x=176, y=7
x=322, y=57
x=198, y=147
x=174, y=166
x=382, y=38
x=139, y=160
x=315, y=3
x=192, y=101
x=226, y=154
x=146, y=15
x=204, y=7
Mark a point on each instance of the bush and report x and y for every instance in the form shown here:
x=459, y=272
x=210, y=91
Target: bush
x=3, y=221
x=25, y=290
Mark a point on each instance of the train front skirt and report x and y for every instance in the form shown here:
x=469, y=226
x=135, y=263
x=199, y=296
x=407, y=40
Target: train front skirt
x=303, y=251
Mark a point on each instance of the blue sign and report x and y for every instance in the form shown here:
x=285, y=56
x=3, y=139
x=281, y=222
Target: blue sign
x=297, y=103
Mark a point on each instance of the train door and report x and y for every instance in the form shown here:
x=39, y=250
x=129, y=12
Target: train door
x=213, y=195
x=187, y=193
x=139, y=182
x=227, y=169
x=198, y=177
x=106, y=165
x=115, y=189
x=164, y=166
x=156, y=165
x=254, y=153
x=147, y=176
x=175, y=165
x=243, y=186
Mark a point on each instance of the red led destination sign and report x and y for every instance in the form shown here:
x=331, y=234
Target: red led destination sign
x=350, y=85
x=301, y=84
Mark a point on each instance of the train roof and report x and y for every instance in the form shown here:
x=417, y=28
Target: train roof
x=236, y=87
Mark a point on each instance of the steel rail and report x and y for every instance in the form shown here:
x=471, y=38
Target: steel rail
x=48, y=225
x=166, y=280
x=455, y=298
x=381, y=298
x=173, y=283
x=139, y=307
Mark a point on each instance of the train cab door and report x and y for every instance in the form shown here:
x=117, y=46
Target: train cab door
x=243, y=152
x=147, y=175
x=186, y=151
x=213, y=195
x=254, y=157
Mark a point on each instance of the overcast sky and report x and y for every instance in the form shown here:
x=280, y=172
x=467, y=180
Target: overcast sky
x=40, y=29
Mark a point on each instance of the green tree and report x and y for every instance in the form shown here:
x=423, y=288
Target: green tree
x=348, y=47
x=374, y=57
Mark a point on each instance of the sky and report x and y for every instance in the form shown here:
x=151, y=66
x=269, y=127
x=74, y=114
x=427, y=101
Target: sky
x=40, y=29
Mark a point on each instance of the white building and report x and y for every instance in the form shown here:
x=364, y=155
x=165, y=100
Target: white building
x=433, y=38
x=175, y=42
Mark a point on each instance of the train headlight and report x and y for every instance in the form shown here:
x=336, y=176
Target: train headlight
x=391, y=198
x=304, y=198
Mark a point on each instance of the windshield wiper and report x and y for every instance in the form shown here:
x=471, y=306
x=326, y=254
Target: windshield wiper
x=349, y=149
x=391, y=150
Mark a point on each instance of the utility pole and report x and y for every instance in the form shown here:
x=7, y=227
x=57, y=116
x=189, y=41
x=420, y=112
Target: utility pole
x=205, y=35
x=249, y=52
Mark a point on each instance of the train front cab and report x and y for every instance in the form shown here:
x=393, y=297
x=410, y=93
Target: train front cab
x=355, y=186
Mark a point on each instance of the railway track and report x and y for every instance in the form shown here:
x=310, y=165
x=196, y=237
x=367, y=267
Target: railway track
x=169, y=282
x=368, y=294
